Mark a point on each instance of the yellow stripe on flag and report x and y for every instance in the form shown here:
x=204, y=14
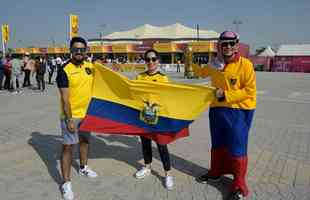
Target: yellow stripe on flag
x=176, y=100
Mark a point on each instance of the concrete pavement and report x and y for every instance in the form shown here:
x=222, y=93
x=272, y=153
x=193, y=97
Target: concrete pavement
x=279, y=150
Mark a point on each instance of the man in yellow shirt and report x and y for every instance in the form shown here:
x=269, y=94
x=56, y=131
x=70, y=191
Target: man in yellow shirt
x=231, y=114
x=75, y=82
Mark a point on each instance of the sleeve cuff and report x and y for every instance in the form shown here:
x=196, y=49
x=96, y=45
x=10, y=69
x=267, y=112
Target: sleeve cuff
x=221, y=99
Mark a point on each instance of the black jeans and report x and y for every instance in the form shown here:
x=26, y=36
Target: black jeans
x=50, y=75
x=1, y=77
x=40, y=81
x=7, y=81
x=162, y=149
x=27, y=78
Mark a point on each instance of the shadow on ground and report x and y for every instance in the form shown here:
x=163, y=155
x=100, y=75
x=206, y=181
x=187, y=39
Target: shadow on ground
x=49, y=148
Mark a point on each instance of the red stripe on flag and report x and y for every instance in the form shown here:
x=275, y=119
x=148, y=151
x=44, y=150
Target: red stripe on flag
x=106, y=126
x=99, y=125
x=168, y=138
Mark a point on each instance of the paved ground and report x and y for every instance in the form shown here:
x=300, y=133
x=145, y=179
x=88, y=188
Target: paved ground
x=279, y=151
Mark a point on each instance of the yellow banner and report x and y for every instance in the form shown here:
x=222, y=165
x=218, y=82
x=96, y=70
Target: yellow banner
x=120, y=48
x=74, y=26
x=165, y=47
x=5, y=33
x=99, y=49
x=202, y=46
x=35, y=50
x=20, y=50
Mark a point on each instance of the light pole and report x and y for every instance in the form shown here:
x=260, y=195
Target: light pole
x=102, y=27
x=53, y=42
x=197, y=29
x=19, y=41
x=237, y=22
x=101, y=37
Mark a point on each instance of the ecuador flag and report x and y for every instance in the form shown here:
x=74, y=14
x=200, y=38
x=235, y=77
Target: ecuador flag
x=160, y=111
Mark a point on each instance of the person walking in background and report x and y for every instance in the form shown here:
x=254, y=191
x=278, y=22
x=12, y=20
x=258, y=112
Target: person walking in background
x=51, y=66
x=59, y=62
x=178, y=66
x=1, y=73
x=29, y=67
x=16, y=64
x=40, y=69
x=7, y=72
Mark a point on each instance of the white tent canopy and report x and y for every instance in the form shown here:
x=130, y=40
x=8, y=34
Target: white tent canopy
x=294, y=50
x=174, y=31
x=268, y=52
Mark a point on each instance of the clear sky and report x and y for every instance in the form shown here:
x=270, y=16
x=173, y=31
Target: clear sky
x=264, y=22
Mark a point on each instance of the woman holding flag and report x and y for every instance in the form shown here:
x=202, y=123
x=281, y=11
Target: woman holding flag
x=153, y=74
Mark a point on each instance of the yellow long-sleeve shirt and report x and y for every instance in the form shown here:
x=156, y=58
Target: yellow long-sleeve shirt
x=158, y=77
x=238, y=81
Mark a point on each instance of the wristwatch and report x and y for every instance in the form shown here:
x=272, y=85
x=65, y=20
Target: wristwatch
x=221, y=99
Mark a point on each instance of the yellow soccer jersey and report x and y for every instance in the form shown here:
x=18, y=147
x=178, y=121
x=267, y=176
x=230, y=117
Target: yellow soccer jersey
x=79, y=80
x=238, y=81
x=158, y=76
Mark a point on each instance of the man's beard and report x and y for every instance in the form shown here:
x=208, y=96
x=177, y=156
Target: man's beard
x=78, y=61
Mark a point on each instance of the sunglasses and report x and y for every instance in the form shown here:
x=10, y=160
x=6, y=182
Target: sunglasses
x=78, y=50
x=231, y=43
x=153, y=59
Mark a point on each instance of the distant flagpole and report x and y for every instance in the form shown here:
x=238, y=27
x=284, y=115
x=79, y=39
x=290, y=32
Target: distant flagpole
x=5, y=37
x=3, y=47
x=74, y=26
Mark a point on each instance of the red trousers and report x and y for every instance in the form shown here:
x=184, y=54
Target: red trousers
x=222, y=162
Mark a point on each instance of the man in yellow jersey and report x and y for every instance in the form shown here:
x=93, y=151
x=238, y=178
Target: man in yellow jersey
x=75, y=81
x=231, y=114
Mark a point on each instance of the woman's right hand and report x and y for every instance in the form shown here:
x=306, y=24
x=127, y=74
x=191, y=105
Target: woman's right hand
x=71, y=126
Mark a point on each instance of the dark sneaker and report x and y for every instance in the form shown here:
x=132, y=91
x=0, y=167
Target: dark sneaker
x=207, y=178
x=235, y=195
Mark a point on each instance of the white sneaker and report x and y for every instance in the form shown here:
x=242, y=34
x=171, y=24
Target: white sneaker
x=169, y=182
x=143, y=172
x=86, y=171
x=67, y=193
